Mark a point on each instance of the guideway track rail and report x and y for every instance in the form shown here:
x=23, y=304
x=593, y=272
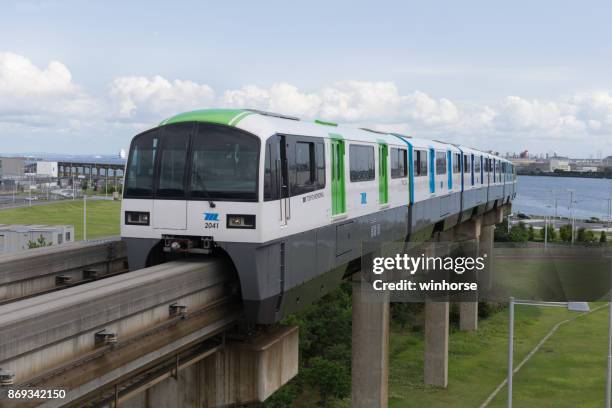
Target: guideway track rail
x=58, y=331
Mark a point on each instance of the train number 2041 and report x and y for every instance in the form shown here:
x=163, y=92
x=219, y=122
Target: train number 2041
x=211, y=225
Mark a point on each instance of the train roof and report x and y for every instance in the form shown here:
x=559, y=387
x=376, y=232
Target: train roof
x=265, y=124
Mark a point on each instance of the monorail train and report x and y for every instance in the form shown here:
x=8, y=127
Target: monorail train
x=291, y=201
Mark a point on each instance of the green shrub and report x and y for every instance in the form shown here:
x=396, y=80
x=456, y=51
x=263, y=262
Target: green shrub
x=565, y=233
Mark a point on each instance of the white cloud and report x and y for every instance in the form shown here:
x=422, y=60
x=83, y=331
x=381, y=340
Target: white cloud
x=349, y=101
x=33, y=96
x=379, y=105
x=43, y=99
x=141, y=98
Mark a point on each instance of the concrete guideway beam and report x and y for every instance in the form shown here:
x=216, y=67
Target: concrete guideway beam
x=87, y=377
x=42, y=332
x=34, y=271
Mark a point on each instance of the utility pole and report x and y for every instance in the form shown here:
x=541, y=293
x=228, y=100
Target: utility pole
x=84, y=217
x=73, y=185
x=106, y=182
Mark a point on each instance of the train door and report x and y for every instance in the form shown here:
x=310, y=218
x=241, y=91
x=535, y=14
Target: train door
x=432, y=173
x=337, y=177
x=283, y=179
x=383, y=179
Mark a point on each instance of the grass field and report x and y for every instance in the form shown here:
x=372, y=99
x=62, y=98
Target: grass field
x=568, y=371
x=102, y=216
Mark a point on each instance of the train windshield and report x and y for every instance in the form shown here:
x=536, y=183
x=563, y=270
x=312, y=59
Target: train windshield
x=139, y=176
x=224, y=164
x=185, y=161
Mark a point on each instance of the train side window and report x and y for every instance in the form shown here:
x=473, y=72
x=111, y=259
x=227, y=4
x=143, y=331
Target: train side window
x=456, y=163
x=477, y=165
x=420, y=163
x=399, y=163
x=306, y=164
x=361, y=159
x=440, y=163
x=271, y=175
x=320, y=163
x=466, y=163
x=305, y=167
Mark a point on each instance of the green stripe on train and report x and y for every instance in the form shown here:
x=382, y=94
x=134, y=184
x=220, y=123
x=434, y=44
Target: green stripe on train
x=229, y=117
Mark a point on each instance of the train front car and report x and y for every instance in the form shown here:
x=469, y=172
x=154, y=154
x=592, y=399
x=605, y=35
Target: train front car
x=191, y=184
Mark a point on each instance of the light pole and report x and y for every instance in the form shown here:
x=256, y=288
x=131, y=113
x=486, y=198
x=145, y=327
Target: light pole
x=545, y=232
x=571, y=306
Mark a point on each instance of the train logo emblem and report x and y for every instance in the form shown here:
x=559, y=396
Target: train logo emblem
x=364, y=198
x=211, y=217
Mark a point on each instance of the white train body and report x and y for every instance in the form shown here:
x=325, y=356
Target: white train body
x=291, y=202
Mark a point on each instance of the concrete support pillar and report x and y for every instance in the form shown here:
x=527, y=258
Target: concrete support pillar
x=485, y=247
x=436, y=331
x=370, y=347
x=468, y=316
x=436, y=343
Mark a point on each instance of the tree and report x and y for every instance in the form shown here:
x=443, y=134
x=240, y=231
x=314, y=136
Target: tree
x=581, y=235
x=584, y=235
x=565, y=232
x=519, y=233
x=531, y=235
x=325, y=347
x=39, y=243
x=603, y=238
x=84, y=185
x=500, y=234
x=552, y=232
x=331, y=378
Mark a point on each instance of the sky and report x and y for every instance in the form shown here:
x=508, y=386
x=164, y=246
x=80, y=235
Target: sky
x=81, y=77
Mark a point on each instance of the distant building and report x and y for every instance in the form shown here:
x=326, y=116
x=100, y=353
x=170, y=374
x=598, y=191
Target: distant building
x=548, y=165
x=15, y=238
x=93, y=171
x=583, y=167
x=559, y=163
x=607, y=162
x=524, y=154
x=47, y=169
x=11, y=167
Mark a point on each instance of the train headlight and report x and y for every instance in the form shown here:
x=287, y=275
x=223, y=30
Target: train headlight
x=137, y=218
x=240, y=221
